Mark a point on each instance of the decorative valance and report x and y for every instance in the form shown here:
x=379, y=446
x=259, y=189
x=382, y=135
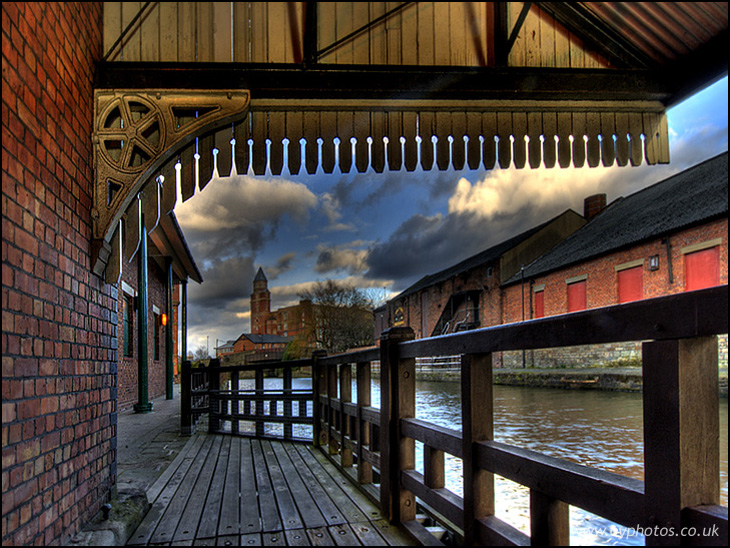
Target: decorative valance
x=153, y=148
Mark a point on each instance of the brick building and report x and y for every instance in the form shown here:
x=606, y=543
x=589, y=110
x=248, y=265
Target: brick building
x=166, y=243
x=665, y=239
x=467, y=295
x=292, y=321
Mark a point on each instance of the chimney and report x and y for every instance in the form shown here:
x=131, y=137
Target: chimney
x=593, y=205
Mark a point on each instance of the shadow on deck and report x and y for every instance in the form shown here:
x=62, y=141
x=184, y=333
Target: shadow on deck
x=233, y=491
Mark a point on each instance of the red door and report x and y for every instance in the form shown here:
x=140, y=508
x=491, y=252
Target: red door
x=540, y=304
x=630, y=284
x=577, y=296
x=702, y=269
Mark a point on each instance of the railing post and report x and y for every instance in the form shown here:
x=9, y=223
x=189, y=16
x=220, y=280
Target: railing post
x=331, y=373
x=235, y=404
x=345, y=397
x=477, y=408
x=317, y=385
x=259, y=399
x=186, y=398
x=397, y=401
x=549, y=521
x=364, y=469
x=681, y=432
x=214, y=401
x=287, y=401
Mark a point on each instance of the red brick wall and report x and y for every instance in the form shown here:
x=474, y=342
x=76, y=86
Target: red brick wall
x=59, y=320
x=602, y=287
x=128, y=366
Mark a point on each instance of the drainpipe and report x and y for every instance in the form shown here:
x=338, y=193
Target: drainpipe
x=522, y=278
x=669, y=260
x=168, y=335
x=143, y=404
x=184, y=320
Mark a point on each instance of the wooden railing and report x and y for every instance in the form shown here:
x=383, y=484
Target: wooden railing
x=376, y=446
x=680, y=492
x=232, y=408
x=193, y=396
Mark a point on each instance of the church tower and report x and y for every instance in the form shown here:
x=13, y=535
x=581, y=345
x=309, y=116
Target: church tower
x=260, y=303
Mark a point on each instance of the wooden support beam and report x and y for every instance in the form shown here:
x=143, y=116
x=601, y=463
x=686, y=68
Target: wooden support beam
x=477, y=410
x=397, y=400
x=681, y=432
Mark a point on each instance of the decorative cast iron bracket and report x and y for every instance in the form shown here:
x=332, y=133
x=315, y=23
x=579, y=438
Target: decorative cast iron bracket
x=135, y=134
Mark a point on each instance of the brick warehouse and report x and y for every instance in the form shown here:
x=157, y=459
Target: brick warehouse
x=467, y=295
x=60, y=334
x=665, y=239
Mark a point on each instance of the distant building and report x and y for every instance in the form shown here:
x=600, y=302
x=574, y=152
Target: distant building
x=224, y=349
x=296, y=322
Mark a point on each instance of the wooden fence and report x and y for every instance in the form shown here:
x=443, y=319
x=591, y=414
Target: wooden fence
x=676, y=503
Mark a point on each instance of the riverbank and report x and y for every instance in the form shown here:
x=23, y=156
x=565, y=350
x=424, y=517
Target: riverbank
x=614, y=379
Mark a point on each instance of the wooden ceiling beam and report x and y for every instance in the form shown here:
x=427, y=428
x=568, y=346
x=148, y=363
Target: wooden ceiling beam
x=292, y=81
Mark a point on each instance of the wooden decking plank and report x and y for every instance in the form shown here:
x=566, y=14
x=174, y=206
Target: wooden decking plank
x=252, y=539
x=208, y=526
x=194, y=510
x=165, y=530
x=182, y=543
x=310, y=514
x=193, y=444
x=297, y=537
x=228, y=522
x=144, y=531
x=359, y=507
x=320, y=537
x=343, y=535
x=276, y=538
x=368, y=534
x=347, y=508
x=204, y=542
x=393, y=535
x=269, y=514
x=329, y=509
x=249, y=504
x=290, y=517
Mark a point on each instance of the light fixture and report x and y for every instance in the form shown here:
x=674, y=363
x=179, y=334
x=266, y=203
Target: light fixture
x=164, y=319
x=654, y=262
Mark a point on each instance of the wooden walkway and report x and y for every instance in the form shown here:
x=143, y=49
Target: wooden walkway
x=233, y=491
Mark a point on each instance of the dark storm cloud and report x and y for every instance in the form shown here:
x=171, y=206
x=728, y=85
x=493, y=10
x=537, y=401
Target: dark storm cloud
x=225, y=282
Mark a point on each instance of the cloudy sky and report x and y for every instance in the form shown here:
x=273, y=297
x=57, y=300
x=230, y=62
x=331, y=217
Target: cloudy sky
x=382, y=232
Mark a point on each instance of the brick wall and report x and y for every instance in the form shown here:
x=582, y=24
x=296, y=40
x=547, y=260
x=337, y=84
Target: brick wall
x=59, y=320
x=602, y=286
x=602, y=290
x=128, y=366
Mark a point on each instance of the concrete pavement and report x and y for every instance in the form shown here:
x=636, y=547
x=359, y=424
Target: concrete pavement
x=146, y=445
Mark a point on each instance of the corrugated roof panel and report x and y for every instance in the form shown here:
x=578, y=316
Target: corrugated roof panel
x=664, y=31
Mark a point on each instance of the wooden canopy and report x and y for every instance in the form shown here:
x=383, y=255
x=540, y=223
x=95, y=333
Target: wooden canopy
x=337, y=86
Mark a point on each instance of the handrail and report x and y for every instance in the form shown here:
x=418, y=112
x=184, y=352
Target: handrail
x=680, y=372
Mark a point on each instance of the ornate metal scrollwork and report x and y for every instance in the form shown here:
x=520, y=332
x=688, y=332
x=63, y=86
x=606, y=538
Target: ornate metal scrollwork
x=135, y=133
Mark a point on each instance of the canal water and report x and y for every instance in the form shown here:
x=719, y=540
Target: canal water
x=599, y=429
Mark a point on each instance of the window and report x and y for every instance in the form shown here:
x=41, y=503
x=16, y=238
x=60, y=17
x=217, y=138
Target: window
x=128, y=325
x=156, y=337
x=630, y=284
x=702, y=269
x=577, y=295
x=540, y=303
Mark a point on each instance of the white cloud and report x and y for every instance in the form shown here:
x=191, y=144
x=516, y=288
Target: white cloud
x=234, y=202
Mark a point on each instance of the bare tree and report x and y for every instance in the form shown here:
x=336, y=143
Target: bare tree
x=343, y=315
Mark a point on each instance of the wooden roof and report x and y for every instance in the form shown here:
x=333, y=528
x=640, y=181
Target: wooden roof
x=342, y=86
